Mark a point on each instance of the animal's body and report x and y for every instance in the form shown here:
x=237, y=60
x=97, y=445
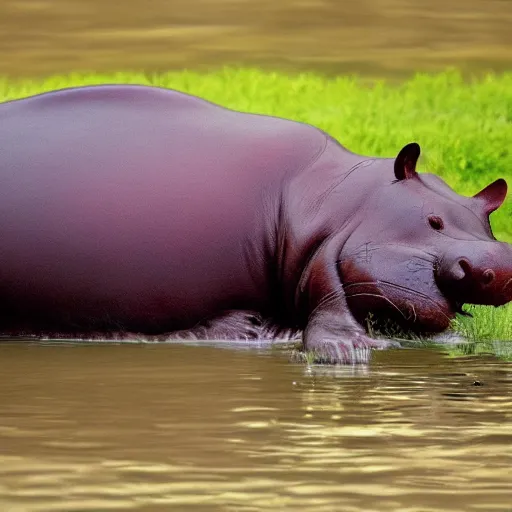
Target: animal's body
x=145, y=210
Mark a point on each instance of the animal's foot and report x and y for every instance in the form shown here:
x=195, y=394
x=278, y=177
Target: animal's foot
x=350, y=348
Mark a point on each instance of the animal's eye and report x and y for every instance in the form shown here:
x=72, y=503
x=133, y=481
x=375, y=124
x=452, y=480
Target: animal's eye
x=435, y=222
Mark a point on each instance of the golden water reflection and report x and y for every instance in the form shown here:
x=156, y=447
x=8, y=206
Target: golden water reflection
x=200, y=428
x=390, y=38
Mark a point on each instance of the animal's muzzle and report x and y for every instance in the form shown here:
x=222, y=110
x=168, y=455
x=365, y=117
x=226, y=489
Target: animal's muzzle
x=483, y=277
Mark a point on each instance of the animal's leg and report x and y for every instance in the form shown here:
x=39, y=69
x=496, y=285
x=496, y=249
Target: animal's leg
x=332, y=334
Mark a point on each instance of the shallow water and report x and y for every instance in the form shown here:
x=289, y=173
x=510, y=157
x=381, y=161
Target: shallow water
x=390, y=38
x=170, y=427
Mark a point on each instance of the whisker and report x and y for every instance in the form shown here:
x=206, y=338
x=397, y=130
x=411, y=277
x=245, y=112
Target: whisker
x=432, y=301
x=378, y=297
x=413, y=310
x=391, y=285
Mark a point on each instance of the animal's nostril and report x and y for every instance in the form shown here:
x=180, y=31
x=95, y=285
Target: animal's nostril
x=488, y=276
x=465, y=266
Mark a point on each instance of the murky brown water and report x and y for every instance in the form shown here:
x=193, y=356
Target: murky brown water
x=199, y=428
x=388, y=38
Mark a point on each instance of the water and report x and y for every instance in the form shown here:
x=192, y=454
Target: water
x=166, y=427
x=390, y=38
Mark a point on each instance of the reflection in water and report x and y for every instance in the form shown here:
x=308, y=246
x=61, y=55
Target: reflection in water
x=200, y=428
x=375, y=37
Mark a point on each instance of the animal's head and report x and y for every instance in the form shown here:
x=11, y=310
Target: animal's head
x=421, y=250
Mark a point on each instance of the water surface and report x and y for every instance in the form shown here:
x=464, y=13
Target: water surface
x=165, y=427
x=390, y=38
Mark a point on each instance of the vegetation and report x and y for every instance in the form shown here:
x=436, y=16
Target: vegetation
x=489, y=331
x=464, y=128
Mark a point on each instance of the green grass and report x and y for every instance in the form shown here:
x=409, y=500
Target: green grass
x=488, y=323
x=463, y=127
x=489, y=331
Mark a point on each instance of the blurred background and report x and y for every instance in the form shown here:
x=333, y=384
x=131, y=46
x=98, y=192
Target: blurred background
x=382, y=38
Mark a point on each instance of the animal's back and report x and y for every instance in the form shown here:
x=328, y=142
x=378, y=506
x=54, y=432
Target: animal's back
x=134, y=204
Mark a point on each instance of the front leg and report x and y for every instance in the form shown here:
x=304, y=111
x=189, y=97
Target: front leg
x=332, y=334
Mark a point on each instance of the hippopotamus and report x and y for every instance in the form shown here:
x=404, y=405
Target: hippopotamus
x=151, y=212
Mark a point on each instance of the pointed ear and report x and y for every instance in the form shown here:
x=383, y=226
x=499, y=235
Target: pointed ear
x=405, y=162
x=493, y=195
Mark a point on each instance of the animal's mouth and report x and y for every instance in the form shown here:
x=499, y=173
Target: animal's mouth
x=406, y=292
x=411, y=309
x=456, y=307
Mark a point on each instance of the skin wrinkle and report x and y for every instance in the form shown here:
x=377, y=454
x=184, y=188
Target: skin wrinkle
x=281, y=234
x=305, y=273
x=317, y=205
x=413, y=266
x=367, y=254
x=306, y=269
x=263, y=251
x=327, y=298
x=362, y=253
x=392, y=244
x=282, y=229
x=461, y=239
x=375, y=247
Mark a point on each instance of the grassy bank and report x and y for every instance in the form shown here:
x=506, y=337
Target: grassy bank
x=464, y=128
x=488, y=332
